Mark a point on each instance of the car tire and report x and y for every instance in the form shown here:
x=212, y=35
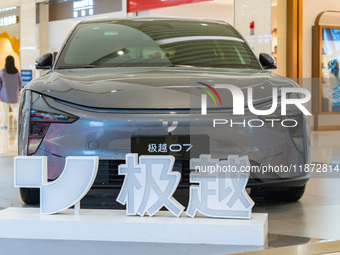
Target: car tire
x=278, y=194
x=30, y=196
x=291, y=194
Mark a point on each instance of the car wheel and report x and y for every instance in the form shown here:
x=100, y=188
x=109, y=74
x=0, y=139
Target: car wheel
x=30, y=196
x=279, y=194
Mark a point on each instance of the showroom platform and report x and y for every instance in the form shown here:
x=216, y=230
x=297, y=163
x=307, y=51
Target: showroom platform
x=88, y=225
x=306, y=227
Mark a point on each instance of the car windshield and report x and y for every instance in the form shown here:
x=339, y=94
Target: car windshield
x=136, y=43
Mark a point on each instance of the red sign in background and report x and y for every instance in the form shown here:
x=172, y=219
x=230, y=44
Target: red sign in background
x=143, y=5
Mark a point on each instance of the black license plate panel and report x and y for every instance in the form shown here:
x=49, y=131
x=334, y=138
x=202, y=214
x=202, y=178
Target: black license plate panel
x=181, y=147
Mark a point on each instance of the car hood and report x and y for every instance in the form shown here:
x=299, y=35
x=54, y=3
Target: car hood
x=154, y=88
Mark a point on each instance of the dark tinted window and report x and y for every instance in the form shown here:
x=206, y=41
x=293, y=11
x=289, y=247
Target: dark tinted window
x=156, y=43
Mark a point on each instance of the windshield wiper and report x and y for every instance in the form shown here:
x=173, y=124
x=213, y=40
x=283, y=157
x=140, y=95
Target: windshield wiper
x=75, y=67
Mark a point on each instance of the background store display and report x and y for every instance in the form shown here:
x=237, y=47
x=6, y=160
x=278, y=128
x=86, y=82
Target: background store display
x=330, y=91
x=26, y=76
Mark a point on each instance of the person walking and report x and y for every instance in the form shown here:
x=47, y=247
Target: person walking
x=10, y=86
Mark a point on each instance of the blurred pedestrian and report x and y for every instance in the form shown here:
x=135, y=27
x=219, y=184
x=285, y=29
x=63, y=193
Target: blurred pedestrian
x=10, y=86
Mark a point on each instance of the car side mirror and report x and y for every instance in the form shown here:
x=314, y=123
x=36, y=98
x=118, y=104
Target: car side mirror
x=44, y=61
x=267, y=61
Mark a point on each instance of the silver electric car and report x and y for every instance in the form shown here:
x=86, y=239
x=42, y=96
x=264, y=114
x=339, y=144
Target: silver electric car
x=136, y=85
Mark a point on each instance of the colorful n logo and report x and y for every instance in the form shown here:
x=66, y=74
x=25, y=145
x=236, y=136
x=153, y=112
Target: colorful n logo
x=204, y=97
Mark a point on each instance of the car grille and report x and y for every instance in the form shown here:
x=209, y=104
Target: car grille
x=107, y=175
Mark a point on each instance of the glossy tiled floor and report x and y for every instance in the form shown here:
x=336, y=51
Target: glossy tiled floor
x=309, y=223
x=326, y=147
x=8, y=140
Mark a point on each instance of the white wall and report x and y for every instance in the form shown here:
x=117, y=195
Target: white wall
x=311, y=9
x=12, y=30
x=258, y=11
x=274, y=25
x=219, y=10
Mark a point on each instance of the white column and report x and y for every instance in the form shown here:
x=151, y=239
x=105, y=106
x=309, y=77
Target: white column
x=282, y=37
x=28, y=37
x=43, y=28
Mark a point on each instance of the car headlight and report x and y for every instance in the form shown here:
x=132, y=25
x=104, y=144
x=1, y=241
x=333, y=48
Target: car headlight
x=299, y=133
x=42, y=115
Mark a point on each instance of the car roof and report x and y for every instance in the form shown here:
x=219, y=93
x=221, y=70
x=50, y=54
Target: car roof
x=152, y=19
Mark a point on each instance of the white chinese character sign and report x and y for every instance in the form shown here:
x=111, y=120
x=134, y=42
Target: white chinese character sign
x=72, y=185
x=149, y=185
x=221, y=188
x=217, y=187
